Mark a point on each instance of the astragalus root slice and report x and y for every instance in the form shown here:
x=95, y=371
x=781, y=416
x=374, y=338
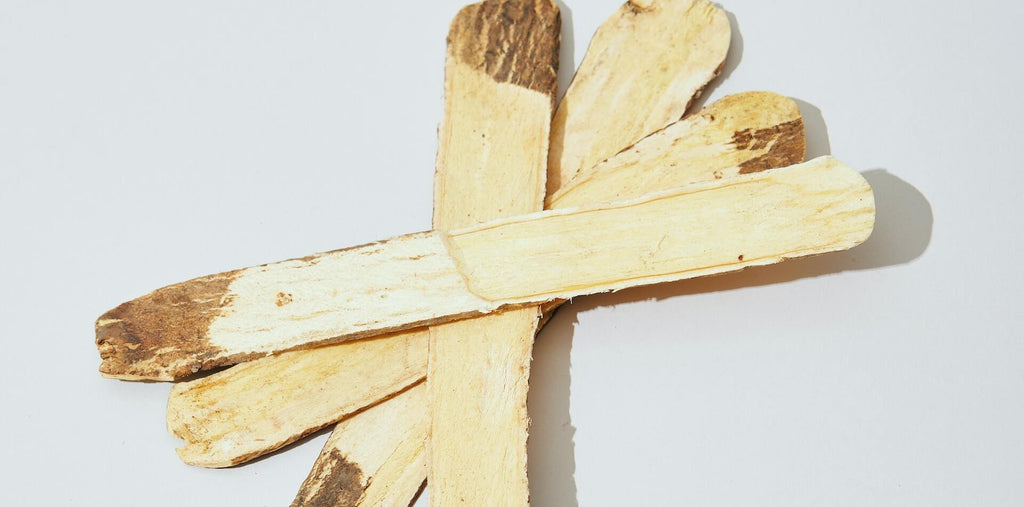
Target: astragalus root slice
x=500, y=82
x=244, y=411
x=222, y=445
x=434, y=277
x=738, y=134
x=376, y=457
x=664, y=53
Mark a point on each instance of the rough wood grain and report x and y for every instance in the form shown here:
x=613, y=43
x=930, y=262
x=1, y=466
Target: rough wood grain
x=222, y=446
x=664, y=53
x=434, y=277
x=491, y=163
x=739, y=134
x=245, y=411
x=376, y=457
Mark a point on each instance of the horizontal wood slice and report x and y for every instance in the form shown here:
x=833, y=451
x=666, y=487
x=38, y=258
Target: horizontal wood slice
x=223, y=427
x=433, y=277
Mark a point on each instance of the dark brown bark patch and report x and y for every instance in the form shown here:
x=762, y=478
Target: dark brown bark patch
x=333, y=482
x=785, y=142
x=513, y=41
x=162, y=335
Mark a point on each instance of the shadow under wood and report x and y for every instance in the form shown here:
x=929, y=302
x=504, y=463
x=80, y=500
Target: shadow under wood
x=732, y=60
x=566, y=50
x=551, y=452
x=815, y=130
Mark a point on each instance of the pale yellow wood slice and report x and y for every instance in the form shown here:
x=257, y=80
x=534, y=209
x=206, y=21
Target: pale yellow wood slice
x=739, y=134
x=252, y=408
x=434, y=277
x=376, y=457
x=218, y=440
x=492, y=159
x=663, y=52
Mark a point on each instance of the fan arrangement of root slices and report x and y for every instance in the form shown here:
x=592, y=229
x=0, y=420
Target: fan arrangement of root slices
x=417, y=348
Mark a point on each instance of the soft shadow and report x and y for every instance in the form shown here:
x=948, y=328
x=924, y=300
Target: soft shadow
x=903, y=230
x=551, y=457
x=814, y=129
x=566, y=50
x=732, y=60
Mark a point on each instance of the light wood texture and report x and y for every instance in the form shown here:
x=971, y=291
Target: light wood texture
x=376, y=457
x=255, y=407
x=739, y=134
x=434, y=277
x=664, y=53
x=207, y=410
x=491, y=163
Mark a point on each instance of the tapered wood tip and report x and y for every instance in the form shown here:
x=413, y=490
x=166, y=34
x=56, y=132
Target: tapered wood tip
x=162, y=335
x=513, y=41
x=333, y=481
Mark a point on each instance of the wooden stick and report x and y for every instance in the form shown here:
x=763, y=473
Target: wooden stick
x=254, y=407
x=376, y=457
x=491, y=163
x=223, y=429
x=663, y=52
x=433, y=277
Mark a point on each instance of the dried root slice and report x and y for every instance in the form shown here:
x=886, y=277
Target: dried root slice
x=255, y=407
x=664, y=53
x=434, y=277
x=376, y=457
x=492, y=161
x=212, y=442
x=739, y=134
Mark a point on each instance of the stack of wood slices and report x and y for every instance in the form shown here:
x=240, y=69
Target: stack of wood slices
x=417, y=348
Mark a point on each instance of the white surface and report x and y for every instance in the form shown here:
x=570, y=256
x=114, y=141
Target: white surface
x=142, y=145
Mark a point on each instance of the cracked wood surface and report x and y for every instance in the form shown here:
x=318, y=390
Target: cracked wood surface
x=225, y=420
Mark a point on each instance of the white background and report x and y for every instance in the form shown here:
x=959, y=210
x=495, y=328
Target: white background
x=145, y=143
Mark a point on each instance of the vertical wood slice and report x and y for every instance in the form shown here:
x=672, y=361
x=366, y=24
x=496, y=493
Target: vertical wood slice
x=500, y=84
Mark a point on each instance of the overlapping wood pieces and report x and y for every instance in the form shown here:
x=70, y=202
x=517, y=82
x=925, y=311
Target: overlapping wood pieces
x=255, y=407
x=376, y=457
x=739, y=134
x=500, y=83
x=664, y=53
x=242, y=390
x=434, y=277
x=345, y=327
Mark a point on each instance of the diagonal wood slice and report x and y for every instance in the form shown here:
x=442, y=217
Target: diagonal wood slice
x=225, y=418
x=664, y=53
x=501, y=76
x=433, y=277
x=376, y=457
